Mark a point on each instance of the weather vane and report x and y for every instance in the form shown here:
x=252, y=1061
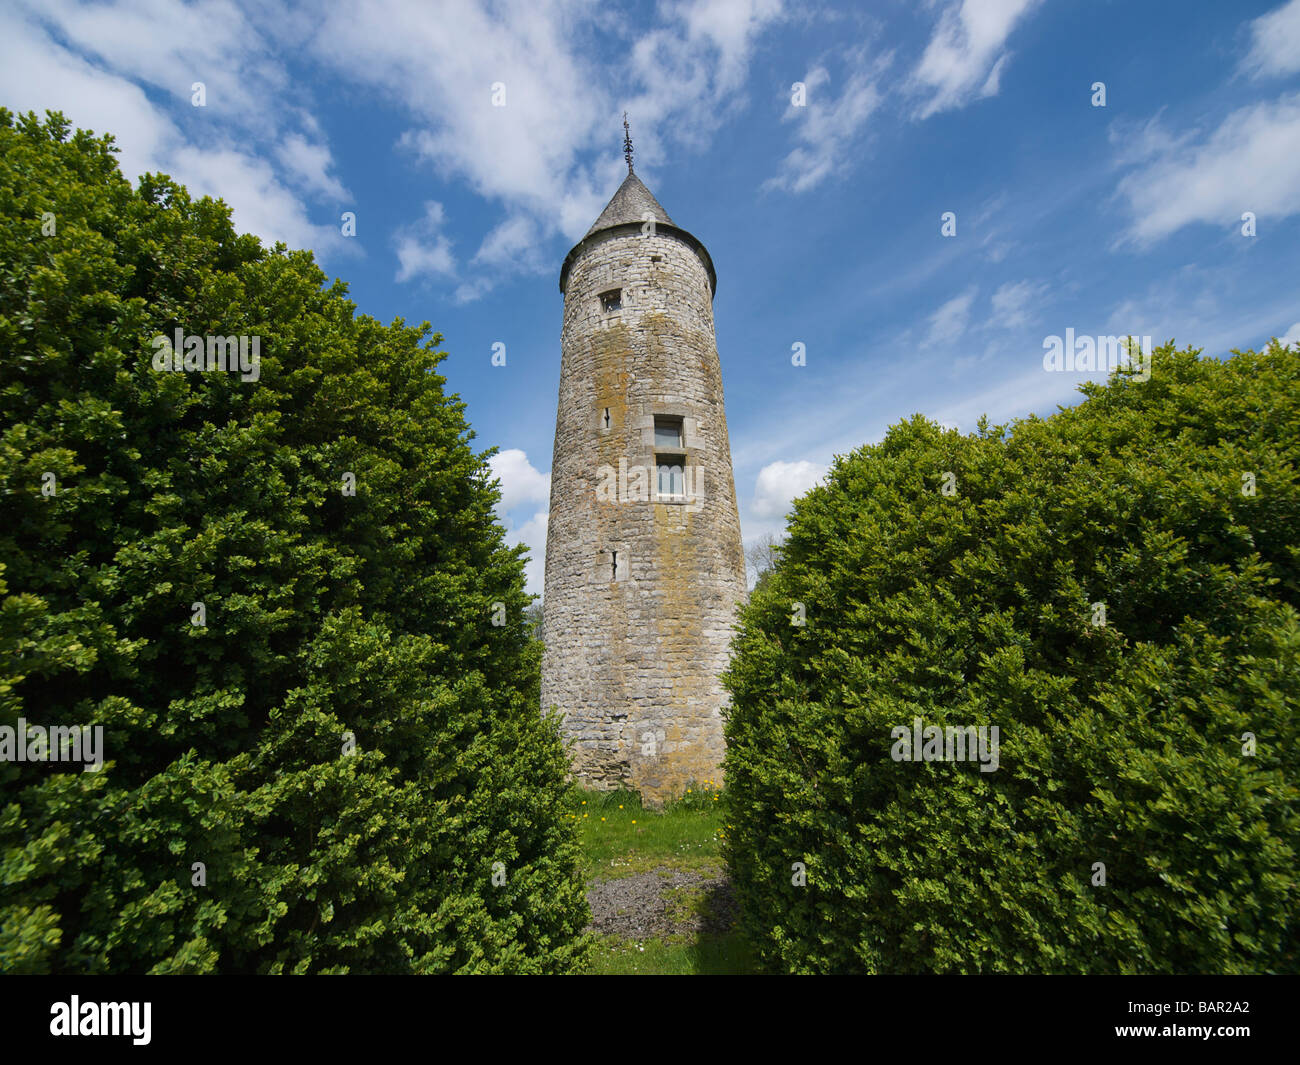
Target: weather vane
x=627, y=143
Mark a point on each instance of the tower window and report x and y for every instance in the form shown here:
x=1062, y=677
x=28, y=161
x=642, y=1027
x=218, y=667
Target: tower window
x=669, y=460
x=612, y=564
x=605, y=418
x=668, y=432
x=611, y=300
x=671, y=484
x=617, y=565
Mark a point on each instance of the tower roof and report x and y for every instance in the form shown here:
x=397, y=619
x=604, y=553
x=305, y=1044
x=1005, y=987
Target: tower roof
x=631, y=203
x=628, y=207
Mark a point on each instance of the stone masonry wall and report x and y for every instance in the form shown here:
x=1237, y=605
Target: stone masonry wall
x=634, y=646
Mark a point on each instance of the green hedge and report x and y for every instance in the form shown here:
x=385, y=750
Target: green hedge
x=330, y=618
x=1121, y=744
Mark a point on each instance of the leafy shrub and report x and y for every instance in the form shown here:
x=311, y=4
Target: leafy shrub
x=1121, y=744
x=330, y=618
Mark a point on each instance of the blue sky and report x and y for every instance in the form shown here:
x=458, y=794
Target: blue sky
x=823, y=220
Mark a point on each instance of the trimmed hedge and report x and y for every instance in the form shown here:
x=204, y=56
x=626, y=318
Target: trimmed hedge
x=331, y=619
x=1121, y=744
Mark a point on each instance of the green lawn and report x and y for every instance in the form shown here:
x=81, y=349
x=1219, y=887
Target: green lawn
x=710, y=956
x=620, y=839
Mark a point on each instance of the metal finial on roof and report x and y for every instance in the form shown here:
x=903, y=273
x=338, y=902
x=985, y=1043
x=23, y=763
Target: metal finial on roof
x=627, y=143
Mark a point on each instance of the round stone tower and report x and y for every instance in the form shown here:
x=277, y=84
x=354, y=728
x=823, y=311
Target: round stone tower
x=644, y=564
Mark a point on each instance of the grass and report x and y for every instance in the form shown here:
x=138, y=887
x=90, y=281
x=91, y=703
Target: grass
x=722, y=955
x=621, y=838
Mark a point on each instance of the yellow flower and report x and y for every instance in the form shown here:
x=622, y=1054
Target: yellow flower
x=620, y=806
x=634, y=820
x=602, y=819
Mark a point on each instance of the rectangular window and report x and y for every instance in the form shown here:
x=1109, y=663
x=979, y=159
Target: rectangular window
x=668, y=432
x=611, y=300
x=671, y=482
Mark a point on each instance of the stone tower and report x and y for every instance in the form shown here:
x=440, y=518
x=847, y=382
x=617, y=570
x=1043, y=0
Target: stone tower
x=644, y=564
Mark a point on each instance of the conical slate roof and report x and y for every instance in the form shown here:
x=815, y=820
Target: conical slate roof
x=629, y=206
x=631, y=203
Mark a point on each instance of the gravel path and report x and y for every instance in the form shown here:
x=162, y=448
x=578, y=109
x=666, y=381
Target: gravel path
x=636, y=907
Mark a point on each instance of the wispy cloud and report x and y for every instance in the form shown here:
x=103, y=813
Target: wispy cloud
x=106, y=65
x=1014, y=303
x=423, y=250
x=949, y=322
x=1251, y=162
x=966, y=54
x=826, y=126
x=310, y=163
x=557, y=98
x=1275, y=43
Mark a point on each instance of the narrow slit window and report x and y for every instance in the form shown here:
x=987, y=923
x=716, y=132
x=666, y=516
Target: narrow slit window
x=606, y=418
x=613, y=566
x=611, y=300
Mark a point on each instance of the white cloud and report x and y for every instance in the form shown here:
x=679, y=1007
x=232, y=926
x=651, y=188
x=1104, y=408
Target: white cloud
x=1012, y=303
x=1251, y=162
x=310, y=164
x=92, y=79
x=171, y=45
x=521, y=482
x=779, y=483
x=826, y=125
x=423, y=250
x=36, y=73
x=1292, y=336
x=679, y=79
x=508, y=241
x=441, y=70
x=965, y=56
x=512, y=247
x=532, y=534
x=949, y=321
x=691, y=70
x=128, y=65
x=260, y=202
x=729, y=27
x=1275, y=42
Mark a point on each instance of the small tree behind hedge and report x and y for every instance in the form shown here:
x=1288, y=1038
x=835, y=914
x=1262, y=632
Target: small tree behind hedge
x=336, y=764
x=1116, y=588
